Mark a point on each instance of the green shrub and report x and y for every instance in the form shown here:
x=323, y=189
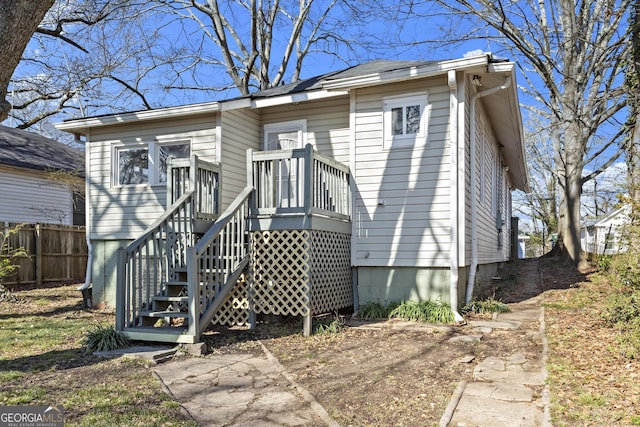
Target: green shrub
x=423, y=311
x=604, y=262
x=489, y=305
x=328, y=326
x=105, y=338
x=622, y=307
x=7, y=265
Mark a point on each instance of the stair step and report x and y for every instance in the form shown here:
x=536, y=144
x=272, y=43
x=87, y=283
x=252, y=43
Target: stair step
x=171, y=298
x=159, y=314
x=149, y=333
x=176, y=283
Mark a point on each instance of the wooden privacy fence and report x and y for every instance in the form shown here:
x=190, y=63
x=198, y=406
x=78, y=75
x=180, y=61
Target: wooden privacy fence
x=55, y=253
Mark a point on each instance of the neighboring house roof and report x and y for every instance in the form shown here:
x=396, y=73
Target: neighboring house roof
x=29, y=150
x=616, y=217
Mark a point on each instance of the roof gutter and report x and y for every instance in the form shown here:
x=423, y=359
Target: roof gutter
x=474, y=202
x=78, y=125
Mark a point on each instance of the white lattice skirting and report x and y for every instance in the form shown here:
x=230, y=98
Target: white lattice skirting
x=299, y=272
x=235, y=310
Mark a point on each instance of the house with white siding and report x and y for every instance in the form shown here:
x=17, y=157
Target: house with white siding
x=386, y=181
x=27, y=192
x=604, y=235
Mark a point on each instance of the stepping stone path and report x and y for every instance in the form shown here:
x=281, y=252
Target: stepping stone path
x=506, y=391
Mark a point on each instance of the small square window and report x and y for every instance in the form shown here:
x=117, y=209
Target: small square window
x=404, y=121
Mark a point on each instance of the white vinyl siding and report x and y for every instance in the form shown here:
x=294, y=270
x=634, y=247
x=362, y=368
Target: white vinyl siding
x=240, y=131
x=402, y=195
x=327, y=124
x=27, y=196
x=124, y=212
x=493, y=246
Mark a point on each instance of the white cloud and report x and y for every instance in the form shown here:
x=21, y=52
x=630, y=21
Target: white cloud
x=475, y=52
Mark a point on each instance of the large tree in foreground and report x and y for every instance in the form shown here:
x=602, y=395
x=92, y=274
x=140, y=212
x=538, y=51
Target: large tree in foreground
x=572, y=54
x=18, y=21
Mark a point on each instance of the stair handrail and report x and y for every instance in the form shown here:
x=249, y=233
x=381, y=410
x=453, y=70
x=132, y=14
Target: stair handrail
x=225, y=244
x=127, y=310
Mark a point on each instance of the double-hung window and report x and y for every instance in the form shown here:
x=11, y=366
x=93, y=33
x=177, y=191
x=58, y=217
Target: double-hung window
x=146, y=164
x=405, y=121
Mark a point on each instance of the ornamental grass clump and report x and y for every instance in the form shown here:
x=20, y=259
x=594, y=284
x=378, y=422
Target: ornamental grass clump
x=489, y=305
x=376, y=310
x=423, y=311
x=105, y=338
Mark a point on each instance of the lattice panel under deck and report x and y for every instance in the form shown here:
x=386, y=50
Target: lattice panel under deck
x=330, y=271
x=235, y=310
x=279, y=272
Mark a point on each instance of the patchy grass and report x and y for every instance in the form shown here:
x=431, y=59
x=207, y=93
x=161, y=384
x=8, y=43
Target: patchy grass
x=43, y=362
x=592, y=380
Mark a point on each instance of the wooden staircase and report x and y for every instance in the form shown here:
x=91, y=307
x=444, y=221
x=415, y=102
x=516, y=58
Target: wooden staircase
x=179, y=272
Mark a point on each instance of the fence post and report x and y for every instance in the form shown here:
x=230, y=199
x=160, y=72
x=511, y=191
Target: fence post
x=38, y=235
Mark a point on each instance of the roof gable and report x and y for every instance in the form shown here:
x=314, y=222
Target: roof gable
x=29, y=150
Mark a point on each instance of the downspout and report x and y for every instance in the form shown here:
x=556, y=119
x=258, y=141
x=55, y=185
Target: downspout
x=474, y=202
x=86, y=286
x=453, y=204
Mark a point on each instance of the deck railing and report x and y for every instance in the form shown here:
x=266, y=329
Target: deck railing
x=152, y=259
x=159, y=255
x=299, y=181
x=205, y=180
x=216, y=262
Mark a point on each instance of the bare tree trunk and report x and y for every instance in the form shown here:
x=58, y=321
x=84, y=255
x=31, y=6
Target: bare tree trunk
x=633, y=160
x=18, y=21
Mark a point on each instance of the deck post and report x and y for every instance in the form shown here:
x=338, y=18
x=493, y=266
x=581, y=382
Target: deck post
x=193, y=293
x=308, y=179
x=307, y=324
x=120, y=289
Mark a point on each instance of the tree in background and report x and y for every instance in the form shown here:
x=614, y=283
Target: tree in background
x=126, y=55
x=19, y=19
x=571, y=54
x=84, y=56
x=631, y=144
x=261, y=44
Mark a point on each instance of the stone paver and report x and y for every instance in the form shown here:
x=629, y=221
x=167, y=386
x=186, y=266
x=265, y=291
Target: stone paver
x=245, y=390
x=239, y=390
x=506, y=391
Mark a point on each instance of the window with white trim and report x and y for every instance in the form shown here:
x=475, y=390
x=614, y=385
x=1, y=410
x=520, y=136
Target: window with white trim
x=146, y=164
x=285, y=135
x=405, y=121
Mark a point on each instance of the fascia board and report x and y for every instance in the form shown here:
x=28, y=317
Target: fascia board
x=138, y=116
x=422, y=71
x=296, y=97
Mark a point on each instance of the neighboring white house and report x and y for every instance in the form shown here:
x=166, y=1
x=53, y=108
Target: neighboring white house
x=604, y=235
x=26, y=192
x=434, y=150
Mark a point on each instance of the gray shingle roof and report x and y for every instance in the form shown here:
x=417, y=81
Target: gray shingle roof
x=312, y=83
x=29, y=150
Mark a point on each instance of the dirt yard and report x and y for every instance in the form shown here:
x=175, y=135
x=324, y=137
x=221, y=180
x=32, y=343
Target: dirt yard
x=386, y=373
x=364, y=376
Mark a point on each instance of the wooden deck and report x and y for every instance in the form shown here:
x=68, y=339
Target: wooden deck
x=194, y=262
